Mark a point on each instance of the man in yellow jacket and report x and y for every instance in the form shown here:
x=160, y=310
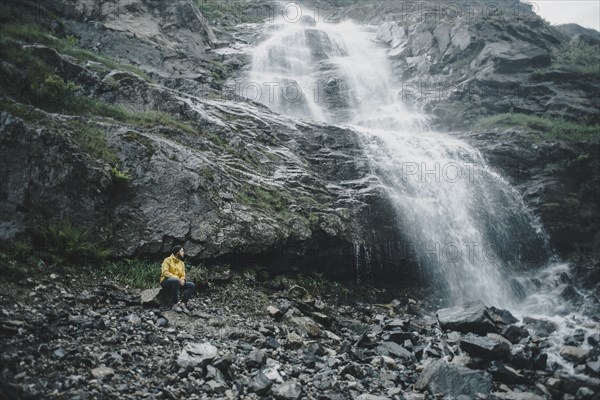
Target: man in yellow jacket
x=172, y=278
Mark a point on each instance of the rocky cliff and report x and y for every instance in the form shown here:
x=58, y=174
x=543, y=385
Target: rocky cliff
x=140, y=165
x=117, y=118
x=463, y=60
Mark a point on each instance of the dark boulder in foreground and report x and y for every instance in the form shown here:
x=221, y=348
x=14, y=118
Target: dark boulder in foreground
x=472, y=317
x=441, y=378
x=493, y=347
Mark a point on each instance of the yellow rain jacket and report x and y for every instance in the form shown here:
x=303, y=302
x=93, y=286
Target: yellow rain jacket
x=172, y=267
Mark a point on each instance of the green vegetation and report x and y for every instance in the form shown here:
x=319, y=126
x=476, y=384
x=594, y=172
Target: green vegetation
x=18, y=260
x=60, y=247
x=120, y=176
x=539, y=128
x=23, y=111
x=144, y=274
x=67, y=244
x=217, y=71
x=14, y=34
x=54, y=94
x=133, y=272
x=33, y=81
x=581, y=163
x=257, y=273
x=580, y=58
x=144, y=119
x=315, y=283
x=92, y=140
x=255, y=196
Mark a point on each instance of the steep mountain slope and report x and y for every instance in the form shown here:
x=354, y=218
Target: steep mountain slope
x=122, y=119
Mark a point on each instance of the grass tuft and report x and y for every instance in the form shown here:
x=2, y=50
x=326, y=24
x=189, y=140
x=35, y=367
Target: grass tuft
x=539, y=128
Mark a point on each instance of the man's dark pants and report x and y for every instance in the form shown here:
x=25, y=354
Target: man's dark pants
x=172, y=286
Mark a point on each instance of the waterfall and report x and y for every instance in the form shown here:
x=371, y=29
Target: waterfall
x=466, y=223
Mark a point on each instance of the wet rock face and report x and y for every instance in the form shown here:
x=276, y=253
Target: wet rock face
x=249, y=186
x=557, y=182
x=194, y=191
x=63, y=174
x=238, y=185
x=225, y=188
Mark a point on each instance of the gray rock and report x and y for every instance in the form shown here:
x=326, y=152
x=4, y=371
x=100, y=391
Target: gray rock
x=540, y=361
x=488, y=347
x=441, y=378
x=442, y=36
x=256, y=359
x=103, y=373
x=305, y=324
x=514, y=333
x=471, y=317
x=259, y=384
x=594, y=339
x=501, y=317
x=572, y=383
x=585, y=393
x=274, y=312
x=515, y=56
x=214, y=386
x=197, y=354
x=219, y=274
x=287, y=391
x=214, y=373
x=272, y=373
x=316, y=348
x=150, y=297
x=593, y=368
x=504, y=373
x=394, y=350
x=516, y=396
x=270, y=343
x=133, y=320
x=371, y=397
x=60, y=352
x=574, y=354
x=521, y=356
x=294, y=340
x=541, y=327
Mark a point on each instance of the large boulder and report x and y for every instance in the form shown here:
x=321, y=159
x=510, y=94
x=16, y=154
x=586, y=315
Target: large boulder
x=442, y=378
x=574, y=354
x=197, y=355
x=289, y=390
x=471, y=317
x=154, y=297
x=504, y=373
x=394, y=350
x=492, y=347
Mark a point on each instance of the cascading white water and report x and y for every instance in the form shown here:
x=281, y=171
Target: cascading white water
x=465, y=220
x=468, y=226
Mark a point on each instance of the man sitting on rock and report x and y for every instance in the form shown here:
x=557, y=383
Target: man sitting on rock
x=172, y=279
